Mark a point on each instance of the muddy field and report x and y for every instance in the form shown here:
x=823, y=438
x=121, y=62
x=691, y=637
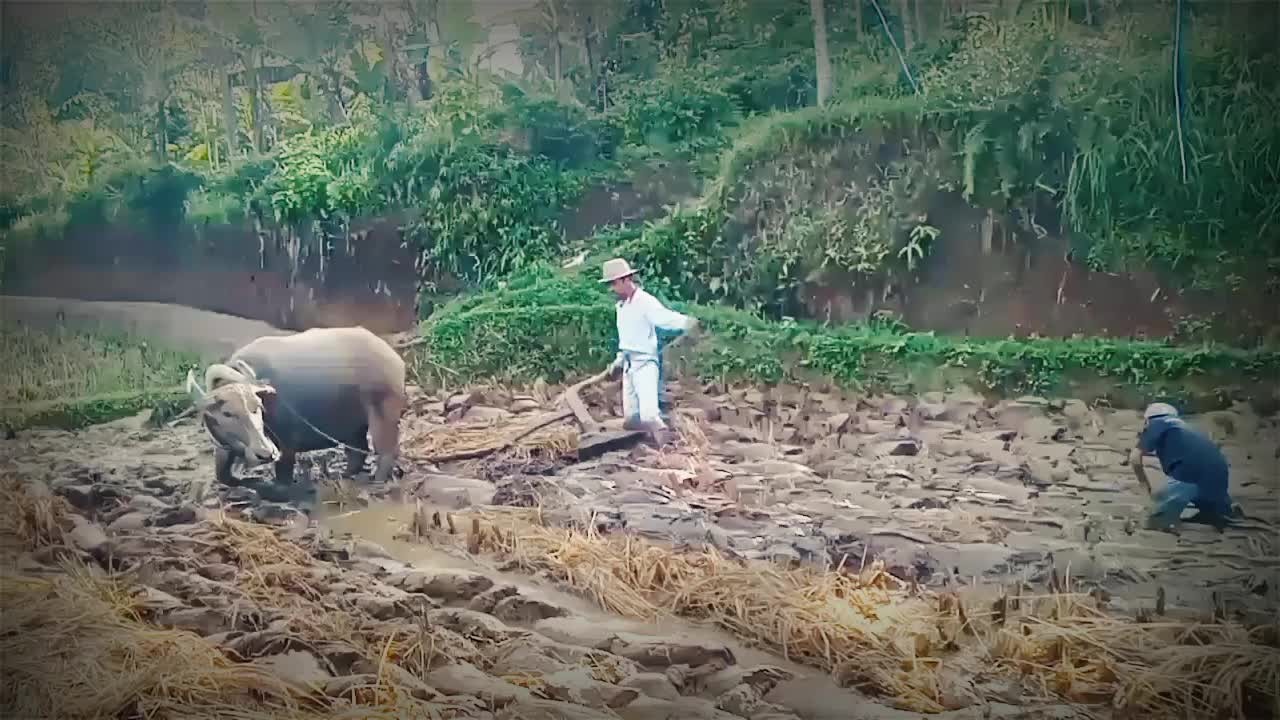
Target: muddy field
x=943, y=492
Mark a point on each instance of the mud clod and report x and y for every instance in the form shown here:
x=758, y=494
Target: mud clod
x=873, y=503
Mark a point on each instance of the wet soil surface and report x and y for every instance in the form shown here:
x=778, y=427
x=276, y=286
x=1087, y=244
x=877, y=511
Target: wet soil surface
x=507, y=645
x=944, y=488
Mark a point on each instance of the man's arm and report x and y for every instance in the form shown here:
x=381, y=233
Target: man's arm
x=1135, y=461
x=1143, y=447
x=668, y=319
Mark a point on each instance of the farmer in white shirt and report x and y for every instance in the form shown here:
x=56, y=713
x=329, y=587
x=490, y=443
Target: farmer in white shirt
x=639, y=316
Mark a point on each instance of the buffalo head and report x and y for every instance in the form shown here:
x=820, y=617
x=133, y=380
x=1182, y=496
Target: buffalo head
x=231, y=407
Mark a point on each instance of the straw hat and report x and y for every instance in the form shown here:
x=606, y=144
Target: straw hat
x=1155, y=410
x=616, y=269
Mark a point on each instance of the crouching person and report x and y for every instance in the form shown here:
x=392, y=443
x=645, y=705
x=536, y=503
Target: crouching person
x=639, y=317
x=1196, y=468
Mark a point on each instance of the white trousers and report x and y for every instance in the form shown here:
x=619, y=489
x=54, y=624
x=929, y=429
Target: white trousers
x=640, y=389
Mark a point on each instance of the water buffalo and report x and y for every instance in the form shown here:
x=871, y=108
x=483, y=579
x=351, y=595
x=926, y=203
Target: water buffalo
x=318, y=389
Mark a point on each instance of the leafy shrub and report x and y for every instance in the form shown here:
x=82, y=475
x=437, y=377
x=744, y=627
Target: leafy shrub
x=565, y=134
x=784, y=84
x=1035, y=109
x=485, y=209
x=88, y=208
x=797, y=193
x=158, y=194
x=319, y=174
x=554, y=327
x=215, y=208
x=153, y=195
x=683, y=109
x=246, y=180
x=11, y=209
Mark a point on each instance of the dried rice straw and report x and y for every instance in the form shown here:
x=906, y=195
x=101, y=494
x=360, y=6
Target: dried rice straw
x=470, y=440
x=921, y=649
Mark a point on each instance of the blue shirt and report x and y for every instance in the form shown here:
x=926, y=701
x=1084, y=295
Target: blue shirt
x=1185, y=454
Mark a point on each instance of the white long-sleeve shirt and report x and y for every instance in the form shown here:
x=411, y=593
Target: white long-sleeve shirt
x=639, y=318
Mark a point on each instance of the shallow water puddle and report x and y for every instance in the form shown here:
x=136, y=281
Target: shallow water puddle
x=812, y=694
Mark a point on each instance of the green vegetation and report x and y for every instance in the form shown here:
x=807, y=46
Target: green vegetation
x=1142, y=143
x=558, y=326
x=1050, y=116
x=72, y=379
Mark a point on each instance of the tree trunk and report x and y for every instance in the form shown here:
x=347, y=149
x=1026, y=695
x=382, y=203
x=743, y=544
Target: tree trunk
x=256, y=104
x=557, y=48
x=424, y=80
x=229, y=114
x=255, y=88
x=421, y=68
x=858, y=24
x=588, y=33
x=162, y=132
x=209, y=119
x=391, y=55
x=820, y=50
x=559, y=69
x=904, y=16
x=920, y=23
x=333, y=89
x=434, y=19
x=255, y=91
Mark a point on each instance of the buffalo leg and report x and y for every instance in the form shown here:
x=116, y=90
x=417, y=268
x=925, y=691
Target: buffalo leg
x=222, y=460
x=284, y=466
x=384, y=427
x=357, y=450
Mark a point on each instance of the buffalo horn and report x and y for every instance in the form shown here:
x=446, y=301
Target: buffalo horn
x=219, y=374
x=193, y=387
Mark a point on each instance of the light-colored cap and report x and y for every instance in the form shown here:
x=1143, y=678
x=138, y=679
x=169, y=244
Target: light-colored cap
x=1155, y=410
x=615, y=269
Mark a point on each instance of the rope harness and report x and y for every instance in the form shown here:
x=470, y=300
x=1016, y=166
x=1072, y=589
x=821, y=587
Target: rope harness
x=249, y=373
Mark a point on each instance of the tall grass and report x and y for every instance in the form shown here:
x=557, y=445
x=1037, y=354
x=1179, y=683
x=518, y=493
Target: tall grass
x=64, y=364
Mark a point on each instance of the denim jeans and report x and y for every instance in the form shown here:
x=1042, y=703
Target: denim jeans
x=665, y=338
x=1171, y=500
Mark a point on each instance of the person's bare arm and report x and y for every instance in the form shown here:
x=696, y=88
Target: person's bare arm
x=1135, y=461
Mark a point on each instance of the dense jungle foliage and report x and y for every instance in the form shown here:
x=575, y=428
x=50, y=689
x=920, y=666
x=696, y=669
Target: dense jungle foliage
x=1149, y=142
x=827, y=137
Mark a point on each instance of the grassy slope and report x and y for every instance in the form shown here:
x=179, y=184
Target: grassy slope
x=557, y=325
x=73, y=379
